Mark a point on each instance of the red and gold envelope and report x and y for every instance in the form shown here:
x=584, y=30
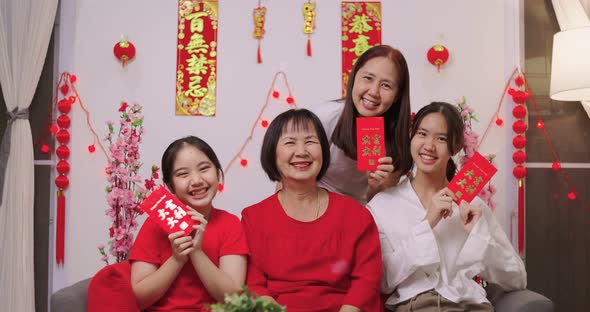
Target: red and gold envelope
x=370, y=142
x=469, y=181
x=168, y=211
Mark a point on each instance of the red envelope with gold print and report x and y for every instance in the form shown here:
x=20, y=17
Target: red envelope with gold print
x=370, y=142
x=469, y=181
x=168, y=211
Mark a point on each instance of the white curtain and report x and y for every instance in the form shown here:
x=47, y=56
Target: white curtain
x=25, y=30
x=573, y=14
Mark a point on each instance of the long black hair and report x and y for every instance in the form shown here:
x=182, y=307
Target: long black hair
x=396, y=119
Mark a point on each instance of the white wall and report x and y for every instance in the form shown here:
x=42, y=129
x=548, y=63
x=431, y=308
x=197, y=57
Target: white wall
x=482, y=36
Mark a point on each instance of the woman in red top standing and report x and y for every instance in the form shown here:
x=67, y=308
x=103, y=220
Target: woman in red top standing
x=311, y=250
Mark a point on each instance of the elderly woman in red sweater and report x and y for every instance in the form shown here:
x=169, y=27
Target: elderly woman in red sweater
x=311, y=250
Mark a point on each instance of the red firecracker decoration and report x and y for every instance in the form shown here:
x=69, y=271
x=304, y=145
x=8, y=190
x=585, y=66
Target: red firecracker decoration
x=438, y=55
x=124, y=51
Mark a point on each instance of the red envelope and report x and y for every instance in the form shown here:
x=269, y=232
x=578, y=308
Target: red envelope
x=370, y=142
x=469, y=181
x=168, y=211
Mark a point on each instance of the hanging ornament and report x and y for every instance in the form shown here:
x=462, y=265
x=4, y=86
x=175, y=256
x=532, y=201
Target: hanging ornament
x=309, y=22
x=519, y=126
x=519, y=157
x=519, y=172
x=438, y=55
x=124, y=51
x=259, y=15
x=519, y=111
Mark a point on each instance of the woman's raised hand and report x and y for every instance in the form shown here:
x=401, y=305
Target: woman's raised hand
x=470, y=214
x=181, y=244
x=441, y=206
x=382, y=178
x=200, y=225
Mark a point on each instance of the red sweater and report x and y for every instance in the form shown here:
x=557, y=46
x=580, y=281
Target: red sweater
x=223, y=236
x=318, y=265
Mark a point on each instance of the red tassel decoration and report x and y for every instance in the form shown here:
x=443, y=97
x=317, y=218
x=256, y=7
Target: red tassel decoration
x=308, y=46
x=259, y=57
x=60, y=229
x=520, y=216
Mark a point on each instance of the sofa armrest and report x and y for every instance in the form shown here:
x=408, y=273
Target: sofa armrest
x=518, y=301
x=73, y=298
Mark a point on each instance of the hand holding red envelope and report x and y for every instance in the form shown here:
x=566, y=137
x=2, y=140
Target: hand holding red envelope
x=469, y=181
x=168, y=211
x=370, y=142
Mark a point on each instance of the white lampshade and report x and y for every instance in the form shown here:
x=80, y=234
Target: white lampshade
x=570, y=66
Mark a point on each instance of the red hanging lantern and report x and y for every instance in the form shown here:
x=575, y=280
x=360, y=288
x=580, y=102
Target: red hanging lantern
x=63, y=167
x=438, y=55
x=63, y=136
x=63, y=121
x=519, y=126
x=519, y=141
x=63, y=152
x=519, y=172
x=519, y=157
x=518, y=96
x=519, y=111
x=124, y=51
x=64, y=106
x=62, y=181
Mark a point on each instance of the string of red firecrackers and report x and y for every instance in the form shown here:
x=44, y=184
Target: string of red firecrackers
x=259, y=16
x=309, y=22
x=260, y=121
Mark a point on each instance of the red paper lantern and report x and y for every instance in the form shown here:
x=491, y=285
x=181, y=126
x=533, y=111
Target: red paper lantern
x=437, y=55
x=62, y=181
x=499, y=122
x=519, y=157
x=64, y=89
x=275, y=94
x=63, y=167
x=244, y=162
x=63, y=121
x=63, y=152
x=63, y=136
x=290, y=100
x=91, y=148
x=64, y=106
x=519, y=97
x=124, y=50
x=264, y=123
x=519, y=126
x=519, y=141
x=519, y=172
x=519, y=111
x=53, y=129
x=73, y=78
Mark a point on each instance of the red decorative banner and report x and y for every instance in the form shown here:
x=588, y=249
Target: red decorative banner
x=361, y=30
x=196, y=65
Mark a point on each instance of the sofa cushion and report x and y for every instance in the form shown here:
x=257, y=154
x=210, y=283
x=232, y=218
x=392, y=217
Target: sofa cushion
x=110, y=289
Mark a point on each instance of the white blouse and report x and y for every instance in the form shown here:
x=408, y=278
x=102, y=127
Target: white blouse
x=417, y=258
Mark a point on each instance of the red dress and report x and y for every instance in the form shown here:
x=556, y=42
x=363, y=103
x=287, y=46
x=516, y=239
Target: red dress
x=223, y=236
x=318, y=265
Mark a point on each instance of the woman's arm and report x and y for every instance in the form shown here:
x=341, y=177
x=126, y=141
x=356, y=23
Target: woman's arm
x=150, y=282
x=487, y=249
x=349, y=308
x=227, y=279
x=382, y=178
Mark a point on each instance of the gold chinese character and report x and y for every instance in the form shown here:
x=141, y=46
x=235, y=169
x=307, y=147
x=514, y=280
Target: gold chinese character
x=196, y=21
x=376, y=138
x=361, y=44
x=477, y=180
x=461, y=183
x=365, y=139
x=376, y=150
x=360, y=24
x=470, y=189
x=469, y=174
x=366, y=151
x=197, y=44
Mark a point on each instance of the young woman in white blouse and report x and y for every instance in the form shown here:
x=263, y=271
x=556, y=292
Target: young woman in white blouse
x=432, y=248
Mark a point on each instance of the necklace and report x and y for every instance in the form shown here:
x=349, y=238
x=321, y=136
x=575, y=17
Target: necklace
x=317, y=212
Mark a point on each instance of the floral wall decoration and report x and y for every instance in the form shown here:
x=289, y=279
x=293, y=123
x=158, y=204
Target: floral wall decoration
x=125, y=189
x=361, y=30
x=196, y=61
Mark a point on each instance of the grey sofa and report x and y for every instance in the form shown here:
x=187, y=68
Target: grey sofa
x=74, y=299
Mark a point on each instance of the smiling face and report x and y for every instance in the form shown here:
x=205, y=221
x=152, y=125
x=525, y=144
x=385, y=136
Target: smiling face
x=375, y=87
x=299, y=154
x=194, y=178
x=429, y=146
